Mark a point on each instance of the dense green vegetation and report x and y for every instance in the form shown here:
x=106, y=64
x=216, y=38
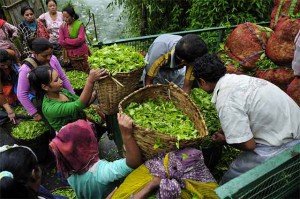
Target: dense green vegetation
x=148, y=17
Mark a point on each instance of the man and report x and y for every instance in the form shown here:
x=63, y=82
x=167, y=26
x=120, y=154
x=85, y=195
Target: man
x=256, y=116
x=170, y=58
x=8, y=83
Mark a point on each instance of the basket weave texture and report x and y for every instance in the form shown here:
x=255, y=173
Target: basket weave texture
x=110, y=93
x=147, y=138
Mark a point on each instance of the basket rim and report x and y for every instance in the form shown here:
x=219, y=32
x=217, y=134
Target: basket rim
x=171, y=84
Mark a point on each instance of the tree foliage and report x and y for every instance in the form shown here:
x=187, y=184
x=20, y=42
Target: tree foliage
x=159, y=16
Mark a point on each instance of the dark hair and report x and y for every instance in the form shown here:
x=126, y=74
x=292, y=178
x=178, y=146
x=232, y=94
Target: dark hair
x=209, y=67
x=25, y=8
x=4, y=56
x=20, y=162
x=39, y=45
x=38, y=76
x=48, y=1
x=70, y=10
x=190, y=46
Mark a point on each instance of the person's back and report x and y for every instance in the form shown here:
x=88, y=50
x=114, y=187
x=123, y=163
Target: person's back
x=272, y=114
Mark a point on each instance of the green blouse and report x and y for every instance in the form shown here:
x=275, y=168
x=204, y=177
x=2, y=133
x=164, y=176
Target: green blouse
x=59, y=113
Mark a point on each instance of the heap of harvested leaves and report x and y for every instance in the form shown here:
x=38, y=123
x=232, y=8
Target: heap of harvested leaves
x=28, y=130
x=162, y=116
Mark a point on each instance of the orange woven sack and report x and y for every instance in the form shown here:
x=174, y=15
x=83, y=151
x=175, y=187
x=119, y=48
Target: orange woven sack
x=280, y=47
x=245, y=44
x=293, y=90
x=281, y=77
x=283, y=7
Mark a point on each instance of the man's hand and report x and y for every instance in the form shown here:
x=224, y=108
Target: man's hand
x=148, y=80
x=219, y=137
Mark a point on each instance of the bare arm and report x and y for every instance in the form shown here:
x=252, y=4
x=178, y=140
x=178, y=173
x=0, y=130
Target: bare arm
x=133, y=153
x=148, y=80
x=148, y=189
x=187, y=86
x=245, y=146
x=94, y=75
x=249, y=145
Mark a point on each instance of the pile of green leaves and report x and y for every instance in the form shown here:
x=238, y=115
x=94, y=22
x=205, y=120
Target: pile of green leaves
x=92, y=114
x=28, y=130
x=117, y=58
x=203, y=101
x=77, y=78
x=162, y=116
x=65, y=192
x=20, y=110
x=264, y=63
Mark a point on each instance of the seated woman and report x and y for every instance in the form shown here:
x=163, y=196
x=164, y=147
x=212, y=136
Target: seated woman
x=41, y=54
x=60, y=106
x=72, y=38
x=8, y=83
x=77, y=158
x=20, y=174
x=177, y=174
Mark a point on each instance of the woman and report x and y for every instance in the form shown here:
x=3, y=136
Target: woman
x=30, y=28
x=8, y=83
x=20, y=174
x=8, y=33
x=42, y=54
x=177, y=174
x=72, y=38
x=60, y=106
x=53, y=20
x=77, y=158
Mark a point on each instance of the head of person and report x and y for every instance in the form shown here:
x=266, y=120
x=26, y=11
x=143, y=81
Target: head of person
x=208, y=69
x=45, y=79
x=75, y=145
x=42, y=49
x=69, y=15
x=28, y=13
x=188, y=48
x=20, y=174
x=5, y=61
x=51, y=5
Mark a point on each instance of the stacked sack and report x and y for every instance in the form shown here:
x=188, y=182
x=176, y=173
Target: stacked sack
x=261, y=52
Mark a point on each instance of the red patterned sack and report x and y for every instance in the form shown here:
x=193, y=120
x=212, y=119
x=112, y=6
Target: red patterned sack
x=283, y=7
x=245, y=44
x=293, y=90
x=280, y=47
x=281, y=77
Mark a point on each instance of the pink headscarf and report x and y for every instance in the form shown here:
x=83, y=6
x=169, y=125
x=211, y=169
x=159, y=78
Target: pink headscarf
x=75, y=148
x=2, y=22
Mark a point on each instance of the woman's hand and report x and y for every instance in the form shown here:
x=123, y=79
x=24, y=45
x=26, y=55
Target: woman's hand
x=37, y=117
x=97, y=74
x=125, y=124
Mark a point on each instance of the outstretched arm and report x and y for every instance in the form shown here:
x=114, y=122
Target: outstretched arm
x=133, y=153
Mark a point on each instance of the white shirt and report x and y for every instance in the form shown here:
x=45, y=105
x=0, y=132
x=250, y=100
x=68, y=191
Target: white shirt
x=249, y=107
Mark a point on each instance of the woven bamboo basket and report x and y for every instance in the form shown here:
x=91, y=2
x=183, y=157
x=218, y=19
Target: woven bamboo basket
x=146, y=138
x=112, y=90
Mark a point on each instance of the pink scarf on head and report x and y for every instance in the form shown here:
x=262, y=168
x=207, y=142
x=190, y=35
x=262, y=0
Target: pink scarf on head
x=2, y=22
x=75, y=148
